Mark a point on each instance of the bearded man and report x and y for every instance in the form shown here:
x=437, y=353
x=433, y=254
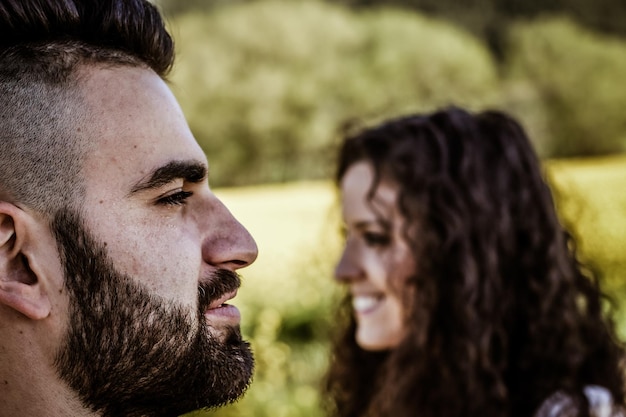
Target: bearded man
x=116, y=259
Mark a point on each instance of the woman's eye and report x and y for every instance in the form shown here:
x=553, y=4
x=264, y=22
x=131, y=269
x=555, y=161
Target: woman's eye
x=376, y=239
x=177, y=199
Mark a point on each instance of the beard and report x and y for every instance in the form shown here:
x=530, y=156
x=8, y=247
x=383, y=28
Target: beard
x=128, y=352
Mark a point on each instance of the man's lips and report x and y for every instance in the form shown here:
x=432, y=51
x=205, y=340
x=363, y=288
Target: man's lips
x=219, y=287
x=220, y=312
x=218, y=303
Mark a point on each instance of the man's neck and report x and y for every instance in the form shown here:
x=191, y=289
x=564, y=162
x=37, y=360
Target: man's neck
x=22, y=398
x=29, y=383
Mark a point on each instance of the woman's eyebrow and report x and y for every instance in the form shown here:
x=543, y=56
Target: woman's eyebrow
x=190, y=171
x=366, y=224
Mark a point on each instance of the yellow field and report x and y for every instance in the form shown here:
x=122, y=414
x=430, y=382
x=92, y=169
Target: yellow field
x=592, y=201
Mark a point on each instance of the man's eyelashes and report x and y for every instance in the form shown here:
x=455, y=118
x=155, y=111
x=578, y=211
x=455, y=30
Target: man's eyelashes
x=177, y=199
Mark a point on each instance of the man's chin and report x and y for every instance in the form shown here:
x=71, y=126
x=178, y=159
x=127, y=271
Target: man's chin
x=227, y=335
x=237, y=372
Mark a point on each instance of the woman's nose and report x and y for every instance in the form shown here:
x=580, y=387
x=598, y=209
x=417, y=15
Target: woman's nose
x=347, y=269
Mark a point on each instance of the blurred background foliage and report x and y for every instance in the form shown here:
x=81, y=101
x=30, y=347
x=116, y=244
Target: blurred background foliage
x=265, y=85
x=269, y=85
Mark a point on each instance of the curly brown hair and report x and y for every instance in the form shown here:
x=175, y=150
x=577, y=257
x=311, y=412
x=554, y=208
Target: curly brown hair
x=503, y=314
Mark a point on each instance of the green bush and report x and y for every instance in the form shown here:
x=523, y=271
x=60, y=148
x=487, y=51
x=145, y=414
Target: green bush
x=265, y=85
x=567, y=84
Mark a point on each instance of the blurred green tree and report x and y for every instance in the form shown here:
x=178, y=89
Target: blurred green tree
x=571, y=84
x=266, y=84
x=176, y=7
x=490, y=18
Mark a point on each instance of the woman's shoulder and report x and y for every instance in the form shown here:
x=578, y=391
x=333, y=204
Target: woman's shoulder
x=600, y=400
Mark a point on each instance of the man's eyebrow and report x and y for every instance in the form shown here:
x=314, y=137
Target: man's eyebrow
x=190, y=171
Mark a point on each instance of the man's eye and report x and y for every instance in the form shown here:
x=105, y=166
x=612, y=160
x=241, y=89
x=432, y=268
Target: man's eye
x=376, y=239
x=176, y=199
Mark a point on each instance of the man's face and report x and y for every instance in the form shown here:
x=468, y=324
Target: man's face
x=158, y=231
x=128, y=352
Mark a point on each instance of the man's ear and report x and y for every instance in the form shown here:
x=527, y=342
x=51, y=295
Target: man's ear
x=20, y=286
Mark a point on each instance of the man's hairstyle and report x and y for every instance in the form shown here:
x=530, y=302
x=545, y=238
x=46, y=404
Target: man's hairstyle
x=500, y=313
x=44, y=128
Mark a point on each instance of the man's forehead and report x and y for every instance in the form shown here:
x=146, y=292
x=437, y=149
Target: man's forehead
x=136, y=125
x=115, y=86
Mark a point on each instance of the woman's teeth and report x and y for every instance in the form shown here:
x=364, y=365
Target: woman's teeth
x=363, y=303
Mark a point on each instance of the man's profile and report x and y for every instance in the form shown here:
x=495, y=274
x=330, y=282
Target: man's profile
x=116, y=259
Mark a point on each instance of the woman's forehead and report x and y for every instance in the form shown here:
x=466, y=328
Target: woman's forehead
x=358, y=202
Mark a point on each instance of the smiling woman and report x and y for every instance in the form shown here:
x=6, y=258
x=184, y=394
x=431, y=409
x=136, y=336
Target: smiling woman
x=465, y=296
x=374, y=249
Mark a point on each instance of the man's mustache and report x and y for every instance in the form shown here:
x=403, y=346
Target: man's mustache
x=218, y=284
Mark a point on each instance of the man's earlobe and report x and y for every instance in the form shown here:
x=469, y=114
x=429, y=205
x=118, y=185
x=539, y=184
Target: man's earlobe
x=20, y=288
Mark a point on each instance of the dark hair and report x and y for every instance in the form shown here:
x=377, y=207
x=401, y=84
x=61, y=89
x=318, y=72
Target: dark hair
x=504, y=315
x=43, y=44
x=38, y=31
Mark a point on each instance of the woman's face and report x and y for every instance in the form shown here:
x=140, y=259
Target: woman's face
x=376, y=257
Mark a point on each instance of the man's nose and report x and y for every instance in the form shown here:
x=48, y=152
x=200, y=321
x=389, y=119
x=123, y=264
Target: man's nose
x=228, y=244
